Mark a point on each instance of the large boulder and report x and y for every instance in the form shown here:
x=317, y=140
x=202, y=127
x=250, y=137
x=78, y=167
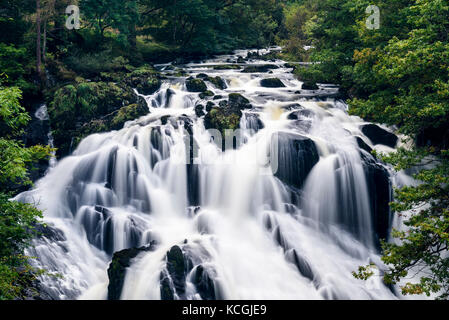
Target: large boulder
x=227, y=115
x=296, y=156
x=206, y=94
x=73, y=106
x=114, y=121
x=204, y=284
x=380, y=193
x=377, y=135
x=173, y=279
x=222, y=119
x=363, y=145
x=196, y=85
x=145, y=80
x=253, y=122
x=309, y=86
x=216, y=81
x=272, y=83
x=121, y=261
x=237, y=102
x=259, y=68
x=180, y=261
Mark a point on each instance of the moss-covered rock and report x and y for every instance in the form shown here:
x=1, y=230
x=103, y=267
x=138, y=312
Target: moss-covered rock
x=272, y=83
x=237, y=102
x=145, y=80
x=206, y=94
x=113, y=121
x=259, y=68
x=199, y=110
x=128, y=113
x=218, y=82
x=227, y=115
x=75, y=105
x=226, y=67
x=222, y=120
x=196, y=85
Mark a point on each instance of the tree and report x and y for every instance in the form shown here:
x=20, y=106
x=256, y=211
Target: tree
x=397, y=75
x=17, y=220
x=104, y=14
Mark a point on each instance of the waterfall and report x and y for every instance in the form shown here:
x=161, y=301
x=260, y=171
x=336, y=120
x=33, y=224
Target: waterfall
x=288, y=214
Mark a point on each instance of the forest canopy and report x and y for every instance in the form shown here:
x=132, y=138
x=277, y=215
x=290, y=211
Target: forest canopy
x=396, y=74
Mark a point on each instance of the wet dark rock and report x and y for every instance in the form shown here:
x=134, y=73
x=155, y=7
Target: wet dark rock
x=164, y=120
x=226, y=67
x=204, y=284
x=228, y=113
x=217, y=82
x=223, y=104
x=253, y=122
x=291, y=66
x=222, y=119
x=173, y=279
x=301, y=263
x=302, y=126
x=380, y=193
x=196, y=85
x=296, y=156
x=238, y=102
x=253, y=55
x=206, y=94
x=363, y=145
x=218, y=97
x=199, y=110
x=121, y=261
x=260, y=68
x=51, y=233
x=209, y=106
x=145, y=80
x=293, y=106
x=377, y=135
x=301, y=115
x=309, y=86
x=272, y=83
x=166, y=290
x=241, y=60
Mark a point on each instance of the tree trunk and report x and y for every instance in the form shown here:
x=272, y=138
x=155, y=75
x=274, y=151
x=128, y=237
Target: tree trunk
x=44, y=49
x=132, y=37
x=38, y=40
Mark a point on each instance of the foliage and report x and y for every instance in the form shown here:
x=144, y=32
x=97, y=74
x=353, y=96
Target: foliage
x=17, y=229
x=17, y=220
x=12, y=114
x=397, y=75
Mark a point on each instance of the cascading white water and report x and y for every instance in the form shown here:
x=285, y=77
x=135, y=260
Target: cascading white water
x=295, y=234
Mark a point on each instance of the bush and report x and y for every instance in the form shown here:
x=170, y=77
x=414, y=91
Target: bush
x=17, y=221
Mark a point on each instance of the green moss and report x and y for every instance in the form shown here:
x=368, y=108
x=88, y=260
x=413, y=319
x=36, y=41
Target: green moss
x=73, y=106
x=196, y=85
x=206, y=94
x=227, y=67
x=220, y=119
x=217, y=82
x=126, y=114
